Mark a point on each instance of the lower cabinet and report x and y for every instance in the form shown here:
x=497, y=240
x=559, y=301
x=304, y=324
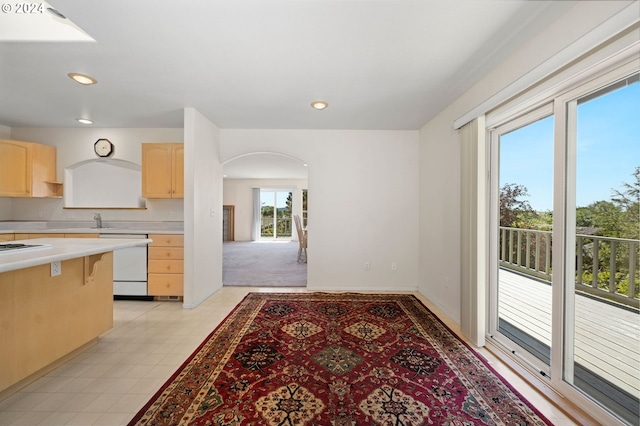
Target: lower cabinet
x=32, y=236
x=166, y=265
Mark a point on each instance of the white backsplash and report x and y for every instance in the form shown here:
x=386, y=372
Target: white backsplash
x=51, y=209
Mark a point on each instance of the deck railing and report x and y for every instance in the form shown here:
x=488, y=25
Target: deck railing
x=283, y=227
x=605, y=266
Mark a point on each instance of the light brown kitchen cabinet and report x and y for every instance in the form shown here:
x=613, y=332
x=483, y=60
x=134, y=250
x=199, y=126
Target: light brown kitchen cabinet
x=45, y=318
x=7, y=237
x=31, y=236
x=28, y=169
x=50, y=235
x=163, y=170
x=165, y=265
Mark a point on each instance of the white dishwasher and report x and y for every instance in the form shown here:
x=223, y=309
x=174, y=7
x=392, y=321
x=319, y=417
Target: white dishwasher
x=129, y=267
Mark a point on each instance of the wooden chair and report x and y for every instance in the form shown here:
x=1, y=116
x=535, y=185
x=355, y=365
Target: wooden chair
x=302, y=239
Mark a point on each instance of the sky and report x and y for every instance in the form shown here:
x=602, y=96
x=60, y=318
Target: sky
x=268, y=198
x=607, y=155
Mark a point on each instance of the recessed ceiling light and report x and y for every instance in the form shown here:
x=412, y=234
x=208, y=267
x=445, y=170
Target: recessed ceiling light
x=82, y=78
x=319, y=104
x=84, y=121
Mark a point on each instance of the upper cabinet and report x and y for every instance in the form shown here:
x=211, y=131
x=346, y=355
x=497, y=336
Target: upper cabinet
x=163, y=170
x=28, y=169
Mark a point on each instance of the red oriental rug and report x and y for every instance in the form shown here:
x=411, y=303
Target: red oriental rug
x=335, y=359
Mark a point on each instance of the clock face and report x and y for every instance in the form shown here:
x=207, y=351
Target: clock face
x=103, y=148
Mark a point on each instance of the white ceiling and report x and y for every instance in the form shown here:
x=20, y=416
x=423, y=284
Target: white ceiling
x=381, y=64
x=31, y=21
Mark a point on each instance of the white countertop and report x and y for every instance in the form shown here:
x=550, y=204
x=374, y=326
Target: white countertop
x=143, y=230
x=88, y=227
x=62, y=249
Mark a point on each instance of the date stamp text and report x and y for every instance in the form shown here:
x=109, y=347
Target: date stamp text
x=22, y=8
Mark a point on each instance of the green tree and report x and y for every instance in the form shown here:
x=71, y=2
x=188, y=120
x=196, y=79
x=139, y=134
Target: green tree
x=267, y=211
x=607, y=217
x=584, y=217
x=628, y=201
x=288, y=207
x=514, y=208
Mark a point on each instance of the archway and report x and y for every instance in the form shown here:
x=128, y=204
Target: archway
x=265, y=244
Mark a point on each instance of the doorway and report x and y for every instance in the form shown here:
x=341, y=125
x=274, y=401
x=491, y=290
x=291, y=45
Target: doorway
x=265, y=190
x=228, y=218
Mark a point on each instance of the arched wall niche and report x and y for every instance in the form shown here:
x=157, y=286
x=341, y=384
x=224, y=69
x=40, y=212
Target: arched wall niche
x=103, y=183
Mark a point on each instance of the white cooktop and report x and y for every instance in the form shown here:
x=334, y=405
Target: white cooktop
x=10, y=248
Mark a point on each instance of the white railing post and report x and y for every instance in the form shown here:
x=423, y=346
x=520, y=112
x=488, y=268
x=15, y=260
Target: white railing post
x=612, y=267
x=631, y=290
x=596, y=263
x=579, y=250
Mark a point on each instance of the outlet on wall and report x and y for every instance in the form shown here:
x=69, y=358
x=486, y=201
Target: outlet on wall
x=56, y=268
x=367, y=266
x=394, y=266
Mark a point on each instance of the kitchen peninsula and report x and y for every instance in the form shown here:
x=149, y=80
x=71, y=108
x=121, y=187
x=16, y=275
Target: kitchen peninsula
x=55, y=297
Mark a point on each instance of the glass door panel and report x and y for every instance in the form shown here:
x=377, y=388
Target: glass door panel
x=275, y=214
x=522, y=264
x=602, y=323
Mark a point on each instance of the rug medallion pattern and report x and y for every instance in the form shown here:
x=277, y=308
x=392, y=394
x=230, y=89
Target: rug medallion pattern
x=335, y=359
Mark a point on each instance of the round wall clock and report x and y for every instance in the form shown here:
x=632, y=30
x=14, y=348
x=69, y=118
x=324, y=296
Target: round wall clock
x=103, y=148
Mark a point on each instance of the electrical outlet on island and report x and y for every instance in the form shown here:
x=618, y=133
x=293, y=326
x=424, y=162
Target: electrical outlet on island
x=56, y=268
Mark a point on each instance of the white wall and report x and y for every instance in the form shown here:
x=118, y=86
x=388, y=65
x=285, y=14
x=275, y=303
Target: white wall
x=363, y=205
x=75, y=145
x=440, y=153
x=203, y=208
x=239, y=193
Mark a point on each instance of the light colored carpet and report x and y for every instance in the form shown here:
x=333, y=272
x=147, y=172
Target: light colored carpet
x=261, y=264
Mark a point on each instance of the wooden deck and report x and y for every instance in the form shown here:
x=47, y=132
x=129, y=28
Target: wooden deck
x=607, y=337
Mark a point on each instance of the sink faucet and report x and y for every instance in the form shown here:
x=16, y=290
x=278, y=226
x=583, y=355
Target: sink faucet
x=98, y=219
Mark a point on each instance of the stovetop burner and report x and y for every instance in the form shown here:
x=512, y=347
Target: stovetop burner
x=9, y=247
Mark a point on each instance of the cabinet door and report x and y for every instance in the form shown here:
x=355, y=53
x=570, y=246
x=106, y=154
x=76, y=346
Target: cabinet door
x=166, y=240
x=43, y=172
x=15, y=168
x=177, y=188
x=168, y=253
x=165, y=285
x=166, y=266
x=156, y=170
x=42, y=235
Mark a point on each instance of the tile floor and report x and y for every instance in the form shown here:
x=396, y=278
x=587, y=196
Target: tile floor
x=109, y=382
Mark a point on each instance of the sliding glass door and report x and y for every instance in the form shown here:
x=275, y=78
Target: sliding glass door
x=275, y=214
x=565, y=243
x=602, y=321
x=523, y=154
